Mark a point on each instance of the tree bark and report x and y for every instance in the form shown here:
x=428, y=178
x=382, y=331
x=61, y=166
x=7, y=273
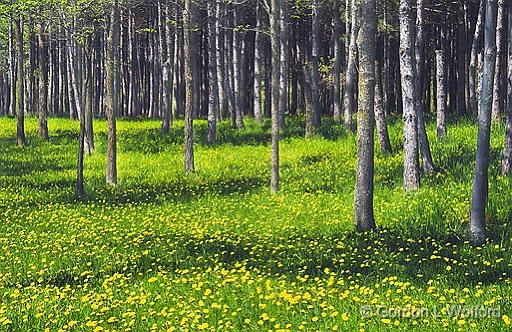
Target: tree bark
x=213, y=97
x=337, y=62
x=43, y=82
x=480, y=182
x=441, y=94
x=365, y=119
x=350, y=98
x=113, y=89
x=189, y=53
x=506, y=165
x=315, y=55
x=409, y=97
x=258, y=65
x=274, y=35
x=380, y=115
x=284, y=65
x=475, y=50
x=20, y=87
x=497, y=100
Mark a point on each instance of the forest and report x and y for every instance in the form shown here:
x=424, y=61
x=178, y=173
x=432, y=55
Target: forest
x=255, y=165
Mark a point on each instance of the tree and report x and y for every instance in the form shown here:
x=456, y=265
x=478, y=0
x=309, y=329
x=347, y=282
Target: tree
x=20, y=88
x=441, y=94
x=113, y=79
x=43, y=82
x=480, y=182
x=189, y=53
x=274, y=12
x=409, y=97
x=349, y=100
x=213, y=96
x=337, y=62
x=365, y=118
x=426, y=154
x=506, y=165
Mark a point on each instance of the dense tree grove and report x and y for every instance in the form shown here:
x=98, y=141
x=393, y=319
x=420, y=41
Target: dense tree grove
x=358, y=61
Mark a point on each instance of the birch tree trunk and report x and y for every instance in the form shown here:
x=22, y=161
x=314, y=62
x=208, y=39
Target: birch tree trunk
x=43, y=82
x=337, y=62
x=409, y=97
x=274, y=35
x=189, y=49
x=113, y=102
x=349, y=100
x=20, y=86
x=258, y=65
x=506, y=165
x=441, y=94
x=213, y=97
x=475, y=50
x=380, y=114
x=365, y=118
x=480, y=182
x=497, y=100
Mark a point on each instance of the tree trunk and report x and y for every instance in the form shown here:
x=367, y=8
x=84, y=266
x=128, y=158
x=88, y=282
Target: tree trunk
x=284, y=65
x=380, y=115
x=475, y=50
x=497, y=100
x=350, y=98
x=20, y=87
x=441, y=94
x=428, y=164
x=213, y=96
x=409, y=97
x=337, y=62
x=258, y=65
x=365, y=119
x=189, y=52
x=113, y=89
x=315, y=55
x=506, y=165
x=274, y=35
x=43, y=83
x=480, y=182
x=237, y=66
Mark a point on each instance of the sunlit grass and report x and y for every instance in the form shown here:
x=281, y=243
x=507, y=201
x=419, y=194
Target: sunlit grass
x=216, y=251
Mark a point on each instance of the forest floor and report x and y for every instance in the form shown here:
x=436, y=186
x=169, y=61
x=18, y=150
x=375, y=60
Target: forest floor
x=216, y=251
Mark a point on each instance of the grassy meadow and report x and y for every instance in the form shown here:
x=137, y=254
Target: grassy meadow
x=216, y=251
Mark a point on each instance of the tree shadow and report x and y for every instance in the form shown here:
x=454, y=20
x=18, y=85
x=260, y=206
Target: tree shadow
x=411, y=254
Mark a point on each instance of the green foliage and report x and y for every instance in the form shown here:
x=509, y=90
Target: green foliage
x=215, y=250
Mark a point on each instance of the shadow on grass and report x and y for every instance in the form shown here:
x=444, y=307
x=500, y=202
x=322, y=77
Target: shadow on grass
x=367, y=258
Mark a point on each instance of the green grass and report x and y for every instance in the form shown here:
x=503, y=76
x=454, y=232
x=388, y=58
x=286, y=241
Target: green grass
x=216, y=251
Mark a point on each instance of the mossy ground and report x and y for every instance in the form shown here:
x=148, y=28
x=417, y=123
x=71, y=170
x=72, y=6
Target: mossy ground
x=216, y=251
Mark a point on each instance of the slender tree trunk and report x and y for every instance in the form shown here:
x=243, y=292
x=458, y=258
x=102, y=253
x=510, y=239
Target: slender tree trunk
x=237, y=65
x=315, y=55
x=284, y=65
x=480, y=183
x=365, y=119
x=337, y=62
x=274, y=35
x=113, y=94
x=167, y=68
x=497, y=100
x=475, y=50
x=189, y=52
x=350, y=98
x=258, y=65
x=43, y=83
x=428, y=164
x=223, y=102
x=409, y=97
x=506, y=166
x=12, y=67
x=213, y=97
x=380, y=115
x=441, y=94
x=20, y=87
